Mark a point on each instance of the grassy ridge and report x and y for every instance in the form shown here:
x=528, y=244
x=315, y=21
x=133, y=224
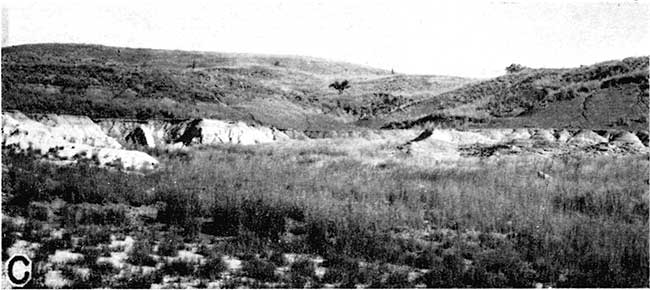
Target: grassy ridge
x=603, y=95
x=494, y=225
x=113, y=82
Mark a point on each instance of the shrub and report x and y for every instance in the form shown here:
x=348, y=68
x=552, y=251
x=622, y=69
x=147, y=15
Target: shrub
x=446, y=274
x=212, y=267
x=94, y=235
x=91, y=254
x=340, y=86
x=502, y=268
x=514, y=68
x=39, y=211
x=141, y=254
x=169, y=244
x=303, y=267
x=344, y=270
x=178, y=267
x=259, y=269
x=137, y=280
x=179, y=209
x=395, y=279
x=9, y=231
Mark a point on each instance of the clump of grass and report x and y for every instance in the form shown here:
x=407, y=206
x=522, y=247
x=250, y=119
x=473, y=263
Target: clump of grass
x=137, y=280
x=140, y=254
x=179, y=209
x=178, y=267
x=169, y=244
x=93, y=235
x=212, y=268
x=260, y=270
x=94, y=214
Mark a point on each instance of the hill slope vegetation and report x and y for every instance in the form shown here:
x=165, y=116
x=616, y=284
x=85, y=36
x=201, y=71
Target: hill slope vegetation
x=612, y=94
x=281, y=91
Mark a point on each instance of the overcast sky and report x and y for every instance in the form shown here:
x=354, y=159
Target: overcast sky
x=463, y=38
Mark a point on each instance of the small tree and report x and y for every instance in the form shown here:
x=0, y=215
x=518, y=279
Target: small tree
x=514, y=68
x=340, y=86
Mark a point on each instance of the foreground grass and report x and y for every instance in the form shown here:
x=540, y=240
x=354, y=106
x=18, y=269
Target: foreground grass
x=495, y=225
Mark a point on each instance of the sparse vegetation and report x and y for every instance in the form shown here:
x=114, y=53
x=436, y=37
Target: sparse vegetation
x=593, y=96
x=589, y=227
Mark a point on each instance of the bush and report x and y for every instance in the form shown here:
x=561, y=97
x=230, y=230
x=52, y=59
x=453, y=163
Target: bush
x=94, y=235
x=502, y=268
x=344, y=270
x=303, y=267
x=259, y=269
x=515, y=68
x=340, y=86
x=212, y=268
x=179, y=209
x=448, y=273
x=178, y=267
x=170, y=244
x=141, y=254
x=137, y=280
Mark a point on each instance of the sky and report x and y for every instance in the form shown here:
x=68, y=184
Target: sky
x=461, y=38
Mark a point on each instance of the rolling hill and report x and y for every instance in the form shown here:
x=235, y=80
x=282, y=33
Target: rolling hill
x=282, y=91
x=291, y=92
x=612, y=94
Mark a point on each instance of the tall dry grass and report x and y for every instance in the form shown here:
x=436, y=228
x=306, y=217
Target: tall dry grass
x=586, y=226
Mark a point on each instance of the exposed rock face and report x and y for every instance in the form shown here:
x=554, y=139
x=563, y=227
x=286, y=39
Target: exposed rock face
x=487, y=142
x=207, y=131
x=586, y=137
x=142, y=135
x=77, y=129
x=66, y=139
x=69, y=138
x=643, y=136
x=128, y=159
x=155, y=133
x=563, y=135
x=150, y=133
x=544, y=135
x=626, y=138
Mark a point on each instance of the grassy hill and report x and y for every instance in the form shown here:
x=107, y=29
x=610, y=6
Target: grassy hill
x=282, y=91
x=612, y=94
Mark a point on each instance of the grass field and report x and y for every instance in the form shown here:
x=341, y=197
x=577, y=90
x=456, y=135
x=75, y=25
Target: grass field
x=492, y=224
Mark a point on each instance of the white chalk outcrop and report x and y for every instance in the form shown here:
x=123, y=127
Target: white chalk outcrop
x=69, y=138
x=586, y=138
x=207, y=131
x=172, y=135
x=447, y=142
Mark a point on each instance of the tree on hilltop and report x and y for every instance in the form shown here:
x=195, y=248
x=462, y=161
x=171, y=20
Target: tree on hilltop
x=340, y=86
x=515, y=68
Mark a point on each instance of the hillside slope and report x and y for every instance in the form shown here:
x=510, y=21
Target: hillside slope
x=281, y=91
x=612, y=94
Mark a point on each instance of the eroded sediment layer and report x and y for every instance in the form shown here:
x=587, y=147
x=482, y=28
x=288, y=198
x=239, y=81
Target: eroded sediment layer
x=69, y=138
x=450, y=143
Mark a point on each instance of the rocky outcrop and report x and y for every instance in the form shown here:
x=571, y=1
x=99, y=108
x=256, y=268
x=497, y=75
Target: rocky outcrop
x=69, y=138
x=207, y=131
x=488, y=142
x=644, y=137
x=544, y=135
x=141, y=135
x=168, y=134
x=626, y=138
x=586, y=138
x=150, y=133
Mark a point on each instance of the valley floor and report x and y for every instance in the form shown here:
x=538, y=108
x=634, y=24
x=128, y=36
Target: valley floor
x=349, y=212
